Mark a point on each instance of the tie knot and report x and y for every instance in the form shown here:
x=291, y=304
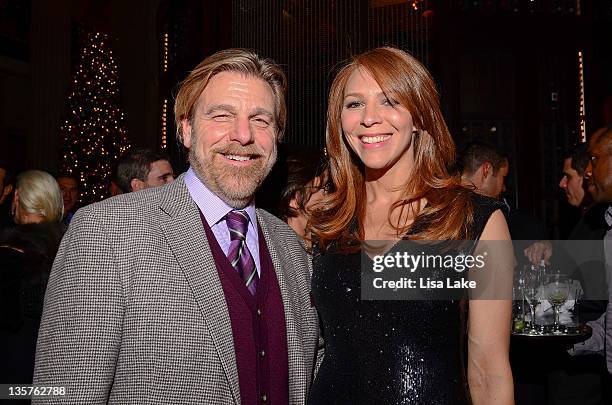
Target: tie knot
x=237, y=223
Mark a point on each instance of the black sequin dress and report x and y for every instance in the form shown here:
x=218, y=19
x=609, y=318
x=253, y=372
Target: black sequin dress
x=388, y=352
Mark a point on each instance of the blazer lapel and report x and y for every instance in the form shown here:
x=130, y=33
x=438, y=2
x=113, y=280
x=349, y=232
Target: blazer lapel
x=185, y=234
x=295, y=348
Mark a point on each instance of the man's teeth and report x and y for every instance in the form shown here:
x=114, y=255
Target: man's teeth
x=238, y=158
x=374, y=139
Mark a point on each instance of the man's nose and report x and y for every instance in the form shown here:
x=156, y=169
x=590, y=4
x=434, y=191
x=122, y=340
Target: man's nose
x=588, y=172
x=563, y=182
x=242, y=131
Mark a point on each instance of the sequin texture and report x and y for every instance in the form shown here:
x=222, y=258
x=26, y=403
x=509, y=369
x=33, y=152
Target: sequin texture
x=387, y=352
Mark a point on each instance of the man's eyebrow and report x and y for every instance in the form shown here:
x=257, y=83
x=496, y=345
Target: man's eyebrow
x=220, y=107
x=262, y=111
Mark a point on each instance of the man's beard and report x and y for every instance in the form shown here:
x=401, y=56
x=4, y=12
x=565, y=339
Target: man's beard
x=236, y=186
x=598, y=192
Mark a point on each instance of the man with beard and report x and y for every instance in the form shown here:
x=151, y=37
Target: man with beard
x=599, y=174
x=187, y=293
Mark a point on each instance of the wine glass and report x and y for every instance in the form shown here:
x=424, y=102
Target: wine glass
x=532, y=283
x=518, y=307
x=557, y=291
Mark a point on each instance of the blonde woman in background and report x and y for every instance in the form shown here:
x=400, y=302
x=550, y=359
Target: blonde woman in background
x=27, y=252
x=37, y=199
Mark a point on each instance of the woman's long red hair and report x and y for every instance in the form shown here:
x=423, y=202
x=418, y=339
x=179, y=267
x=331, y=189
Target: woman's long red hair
x=449, y=209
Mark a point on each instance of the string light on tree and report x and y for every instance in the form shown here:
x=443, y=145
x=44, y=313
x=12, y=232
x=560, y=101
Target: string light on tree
x=164, y=106
x=165, y=52
x=164, y=124
x=94, y=134
x=581, y=106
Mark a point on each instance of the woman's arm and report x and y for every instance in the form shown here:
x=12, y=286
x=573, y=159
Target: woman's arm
x=489, y=373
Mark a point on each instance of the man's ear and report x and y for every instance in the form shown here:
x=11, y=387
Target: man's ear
x=487, y=169
x=186, y=130
x=137, y=184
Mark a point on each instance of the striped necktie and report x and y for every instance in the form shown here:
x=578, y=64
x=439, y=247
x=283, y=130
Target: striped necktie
x=238, y=253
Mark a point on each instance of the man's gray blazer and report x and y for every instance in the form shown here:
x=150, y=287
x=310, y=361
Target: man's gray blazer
x=135, y=313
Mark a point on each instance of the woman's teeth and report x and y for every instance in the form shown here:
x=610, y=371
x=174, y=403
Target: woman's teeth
x=374, y=139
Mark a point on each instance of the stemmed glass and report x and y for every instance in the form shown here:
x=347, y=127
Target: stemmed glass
x=557, y=291
x=532, y=283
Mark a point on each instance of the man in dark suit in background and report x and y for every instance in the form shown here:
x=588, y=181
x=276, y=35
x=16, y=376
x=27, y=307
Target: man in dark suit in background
x=142, y=168
x=69, y=185
x=572, y=181
x=187, y=293
x=484, y=167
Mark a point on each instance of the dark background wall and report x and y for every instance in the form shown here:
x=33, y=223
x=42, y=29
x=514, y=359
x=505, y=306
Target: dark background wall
x=507, y=70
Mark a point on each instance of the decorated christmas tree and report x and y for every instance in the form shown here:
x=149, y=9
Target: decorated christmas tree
x=93, y=133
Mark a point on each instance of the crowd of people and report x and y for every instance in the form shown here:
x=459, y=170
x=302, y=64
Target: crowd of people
x=189, y=290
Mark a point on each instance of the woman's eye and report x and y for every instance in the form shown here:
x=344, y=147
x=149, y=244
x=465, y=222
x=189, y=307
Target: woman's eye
x=353, y=104
x=390, y=102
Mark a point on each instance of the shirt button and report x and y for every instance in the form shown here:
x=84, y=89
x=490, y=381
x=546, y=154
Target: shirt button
x=258, y=312
x=264, y=397
x=262, y=353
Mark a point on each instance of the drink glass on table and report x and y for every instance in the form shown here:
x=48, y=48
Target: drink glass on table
x=557, y=291
x=518, y=308
x=532, y=291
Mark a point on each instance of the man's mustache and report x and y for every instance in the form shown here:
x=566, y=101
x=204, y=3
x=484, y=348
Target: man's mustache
x=248, y=150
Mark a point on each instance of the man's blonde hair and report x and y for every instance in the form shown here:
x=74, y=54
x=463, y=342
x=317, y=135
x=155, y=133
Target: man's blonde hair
x=231, y=60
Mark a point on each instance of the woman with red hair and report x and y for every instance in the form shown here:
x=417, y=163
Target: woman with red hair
x=390, y=154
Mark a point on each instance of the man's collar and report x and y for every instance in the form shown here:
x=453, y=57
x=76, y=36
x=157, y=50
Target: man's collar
x=608, y=216
x=212, y=207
